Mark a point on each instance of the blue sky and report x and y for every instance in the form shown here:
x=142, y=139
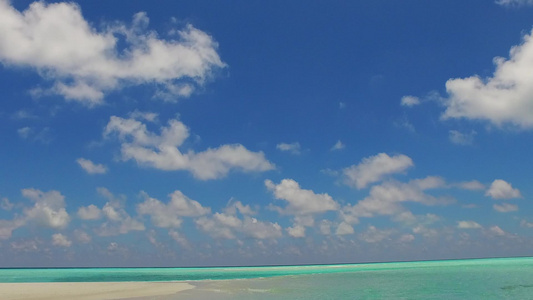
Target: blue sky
x=215, y=133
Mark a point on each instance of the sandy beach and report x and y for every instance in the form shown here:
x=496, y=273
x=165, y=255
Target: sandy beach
x=89, y=290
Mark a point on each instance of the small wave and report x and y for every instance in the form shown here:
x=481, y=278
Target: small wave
x=518, y=286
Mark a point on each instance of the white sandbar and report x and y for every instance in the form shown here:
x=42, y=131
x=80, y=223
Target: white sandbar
x=89, y=290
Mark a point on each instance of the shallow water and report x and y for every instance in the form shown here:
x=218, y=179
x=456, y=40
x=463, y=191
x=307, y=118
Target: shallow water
x=503, y=278
x=485, y=279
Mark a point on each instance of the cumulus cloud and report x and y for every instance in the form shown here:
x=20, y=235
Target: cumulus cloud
x=344, y=228
x=229, y=225
x=162, y=151
x=526, y=224
x=5, y=204
x=386, y=198
x=496, y=230
x=406, y=238
x=60, y=240
x=168, y=215
x=236, y=206
x=500, y=189
x=91, y=212
x=505, y=207
x=460, y=138
x=117, y=220
x=300, y=201
x=375, y=235
x=472, y=185
x=91, y=167
x=48, y=210
x=7, y=227
x=82, y=236
x=409, y=101
x=296, y=231
x=83, y=63
x=293, y=148
x=468, y=225
x=338, y=146
x=144, y=115
x=375, y=168
x=325, y=227
x=504, y=98
x=179, y=238
x=26, y=246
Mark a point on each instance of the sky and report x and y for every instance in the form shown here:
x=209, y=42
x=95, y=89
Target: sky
x=201, y=133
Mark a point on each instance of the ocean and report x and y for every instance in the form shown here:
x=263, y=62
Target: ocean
x=495, y=278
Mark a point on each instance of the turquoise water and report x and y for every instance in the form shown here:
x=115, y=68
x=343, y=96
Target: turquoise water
x=502, y=278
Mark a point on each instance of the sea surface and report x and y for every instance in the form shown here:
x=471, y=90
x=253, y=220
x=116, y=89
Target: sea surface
x=496, y=278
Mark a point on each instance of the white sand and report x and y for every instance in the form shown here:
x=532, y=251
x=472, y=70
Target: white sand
x=89, y=290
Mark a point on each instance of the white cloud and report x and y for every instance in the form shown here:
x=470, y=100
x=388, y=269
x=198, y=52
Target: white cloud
x=506, y=97
x=22, y=115
x=300, y=201
x=43, y=136
x=407, y=218
x=60, y=240
x=293, y=148
x=84, y=63
x=179, y=238
x=405, y=124
x=91, y=212
x=325, y=227
x=386, y=198
x=256, y=229
x=505, y=207
x=374, y=235
x=161, y=151
x=496, y=230
x=122, y=226
x=472, y=185
x=236, y=206
x=526, y=224
x=514, y=2
x=212, y=227
x=426, y=232
x=5, y=204
x=344, y=229
x=296, y=231
x=228, y=226
x=82, y=236
x=91, y=167
x=113, y=246
x=24, y=132
x=7, y=227
x=26, y=245
x=118, y=221
x=375, y=168
x=406, y=238
x=468, y=225
x=410, y=101
x=300, y=222
x=338, y=146
x=169, y=215
x=460, y=138
x=48, y=210
x=144, y=115
x=500, y=189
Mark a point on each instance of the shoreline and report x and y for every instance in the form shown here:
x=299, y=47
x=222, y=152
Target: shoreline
x=90, y=290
